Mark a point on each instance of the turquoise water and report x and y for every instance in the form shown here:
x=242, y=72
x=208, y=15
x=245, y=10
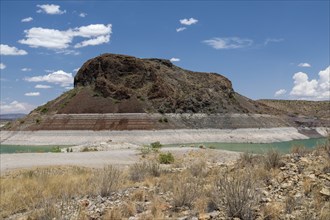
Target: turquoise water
x=283, y=147
x=9, y=149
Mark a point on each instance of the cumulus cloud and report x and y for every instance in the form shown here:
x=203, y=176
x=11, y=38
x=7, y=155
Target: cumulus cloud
x=314, y=89
x=2, y=66
x=28, y=19
x=189, y=21
x=82, y=14
x=32, y=94
x=280, y=92
x=273, y=40
x=50, y=9
x=180, y=29
x=39, y=86
x=15, y=107
x=95, y=41
x=59, y=78
x=174, y=59
x=60, y=40
x=228, y=43
x=26, y=69
x=304, y=65
x=8, y=50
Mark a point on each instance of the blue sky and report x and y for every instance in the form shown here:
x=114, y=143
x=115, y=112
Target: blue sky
x=268, y=49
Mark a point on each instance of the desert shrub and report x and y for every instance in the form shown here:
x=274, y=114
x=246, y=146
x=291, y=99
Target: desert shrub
x=323, y=149
x=156, y=145
x=109, y=179
x=298, y=150
x=88, y=149
x=139, y=171
x=272, y=159
x=44, y=110
x=56, y=149
x=198, y=168
x=236, y=193
x=166, y=158
x=246, y=159
x=185, y=190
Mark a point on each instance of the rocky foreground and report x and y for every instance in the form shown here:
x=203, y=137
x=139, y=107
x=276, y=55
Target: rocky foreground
x=194, y=186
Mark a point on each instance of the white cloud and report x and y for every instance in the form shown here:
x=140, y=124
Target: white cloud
x=15, y=107
x=59, y=78
x=228, y=43
x=27, y=19
x=39, y=86
x=82, y=14
x=76, y=70
x=189, y=21
x=32, y=94
x=95, y=41
x=8, y=50
x=304, y=65
x=280, y=92
x=180, y=29
x=2, y=66
x=60, y=40
x=315, y=89
x=273, y=40
x=49, y=38
x=174, y=59
x=26, y=69
x=50, y=9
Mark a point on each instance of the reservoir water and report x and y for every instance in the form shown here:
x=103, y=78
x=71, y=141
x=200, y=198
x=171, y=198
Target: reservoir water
x=283, y=147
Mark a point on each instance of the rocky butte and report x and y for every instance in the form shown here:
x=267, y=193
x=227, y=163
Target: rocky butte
x=121, y=92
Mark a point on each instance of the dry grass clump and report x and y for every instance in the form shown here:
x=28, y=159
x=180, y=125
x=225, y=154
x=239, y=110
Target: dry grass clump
x=236, y=192
x=248, y=159
x=37, y=189
x=299, y=151
x=186, y=189
x=139, y=171
x=109, y=179
x=272, y=159
x=272, y=211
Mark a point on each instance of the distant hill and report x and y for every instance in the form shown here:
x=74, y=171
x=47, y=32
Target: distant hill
x=10, y=117
x=137, y=93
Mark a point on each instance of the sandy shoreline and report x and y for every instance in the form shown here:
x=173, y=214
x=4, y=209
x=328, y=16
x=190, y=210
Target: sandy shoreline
x=140, y=137
x=118, y=157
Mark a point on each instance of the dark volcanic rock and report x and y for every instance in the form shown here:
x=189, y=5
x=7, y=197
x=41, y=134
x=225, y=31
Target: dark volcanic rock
x=158, y=84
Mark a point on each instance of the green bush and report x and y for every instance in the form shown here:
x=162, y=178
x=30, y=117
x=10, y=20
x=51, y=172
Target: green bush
x=156, y=145
x=56, y=149
x=166, y=158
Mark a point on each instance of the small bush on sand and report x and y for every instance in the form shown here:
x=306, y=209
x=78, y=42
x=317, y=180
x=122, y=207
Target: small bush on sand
x=166, y=158
x=237, y=193
x=156, y=145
